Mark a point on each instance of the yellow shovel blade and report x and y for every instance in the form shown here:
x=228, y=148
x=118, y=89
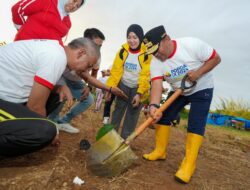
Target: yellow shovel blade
x=107, y=158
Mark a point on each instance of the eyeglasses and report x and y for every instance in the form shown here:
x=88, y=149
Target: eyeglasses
x=82, y=2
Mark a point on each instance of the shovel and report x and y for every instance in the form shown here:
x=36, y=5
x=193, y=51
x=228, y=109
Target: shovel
x=111, y=155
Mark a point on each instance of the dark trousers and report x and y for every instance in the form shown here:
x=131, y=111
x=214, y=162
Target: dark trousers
x=124, y=108
x=23, y=131
x=107, y=106
x=177, y=119
x=52, y=103
x=199, y=107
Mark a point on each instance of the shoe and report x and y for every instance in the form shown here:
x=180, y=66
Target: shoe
x=105, y=120
x=161, y=142
x=188, y=165
x=67, y=128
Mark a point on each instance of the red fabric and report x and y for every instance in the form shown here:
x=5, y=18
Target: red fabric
x=174, y=50
x=134, y=51
x=43, y=20
x=213, y=54
x=157, y=78
x=43, y=82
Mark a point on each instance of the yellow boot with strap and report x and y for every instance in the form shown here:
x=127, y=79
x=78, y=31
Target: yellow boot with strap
x=161, y=142
x=187, y=168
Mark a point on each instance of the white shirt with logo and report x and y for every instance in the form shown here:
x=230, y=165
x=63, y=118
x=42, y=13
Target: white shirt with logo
x=132, y=69
x=23, y=62
x=189, y=54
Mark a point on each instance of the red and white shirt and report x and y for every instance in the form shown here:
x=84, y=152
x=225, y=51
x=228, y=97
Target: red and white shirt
x=23, y=62
x=39, y=19
x=189, y=54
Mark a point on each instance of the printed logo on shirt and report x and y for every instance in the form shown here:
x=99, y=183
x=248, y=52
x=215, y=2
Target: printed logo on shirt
x=179, y=71
x=130, y=67
x=2, y=43
x=167, y=74
x=176, y=74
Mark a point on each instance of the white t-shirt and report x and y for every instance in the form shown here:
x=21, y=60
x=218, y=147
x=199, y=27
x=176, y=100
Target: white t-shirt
x=23, y=62
x=189, y=54
x=103, y=79
x=132, y=69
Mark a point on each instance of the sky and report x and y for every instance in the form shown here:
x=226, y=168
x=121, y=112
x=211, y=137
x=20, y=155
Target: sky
x=224, y=24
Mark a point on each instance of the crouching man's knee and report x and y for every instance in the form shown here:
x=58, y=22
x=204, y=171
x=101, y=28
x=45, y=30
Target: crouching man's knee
x=25, y=136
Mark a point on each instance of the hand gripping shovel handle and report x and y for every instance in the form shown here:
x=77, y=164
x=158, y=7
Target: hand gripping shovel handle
x=168, y=102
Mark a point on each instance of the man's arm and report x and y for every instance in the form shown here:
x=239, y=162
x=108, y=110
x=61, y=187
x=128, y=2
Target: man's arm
x=96, y=83
x=156, y=91
x=94, y=72
x=93, y=81
x=206, y=67
x=38, y=98
x=155, y=99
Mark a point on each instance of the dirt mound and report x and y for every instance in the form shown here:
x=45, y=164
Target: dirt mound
x=223, y=163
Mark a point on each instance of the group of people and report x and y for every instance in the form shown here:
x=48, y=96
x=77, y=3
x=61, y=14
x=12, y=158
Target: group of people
x=34, y=67
x=39, y=72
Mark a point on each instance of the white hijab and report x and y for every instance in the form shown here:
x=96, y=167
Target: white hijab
x=60, y=6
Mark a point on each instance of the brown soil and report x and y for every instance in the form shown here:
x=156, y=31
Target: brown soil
x=223, y=163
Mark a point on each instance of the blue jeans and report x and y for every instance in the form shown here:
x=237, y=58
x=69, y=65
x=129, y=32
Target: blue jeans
x=76, y=88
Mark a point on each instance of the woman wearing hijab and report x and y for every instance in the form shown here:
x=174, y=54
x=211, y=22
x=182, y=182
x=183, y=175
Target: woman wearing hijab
x=130, y=73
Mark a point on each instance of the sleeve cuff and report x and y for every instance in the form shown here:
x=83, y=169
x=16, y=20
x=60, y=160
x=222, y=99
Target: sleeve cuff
x=44, y=82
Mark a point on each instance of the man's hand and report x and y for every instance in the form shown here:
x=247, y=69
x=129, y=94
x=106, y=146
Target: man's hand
x=85, y=93
x=64, y=92
x=153, y=113
x=118, y=92
x=206, y=67
x=136, y=100
x=193, y=75
x=56, y=141
x=108, y=96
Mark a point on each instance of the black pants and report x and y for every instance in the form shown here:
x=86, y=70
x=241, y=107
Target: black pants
x=107, y=106
x=23, y=131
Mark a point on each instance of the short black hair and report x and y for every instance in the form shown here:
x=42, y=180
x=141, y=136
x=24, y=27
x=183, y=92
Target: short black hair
x=92, y=33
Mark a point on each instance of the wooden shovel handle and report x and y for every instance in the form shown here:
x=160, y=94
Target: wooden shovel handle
x=149, y=121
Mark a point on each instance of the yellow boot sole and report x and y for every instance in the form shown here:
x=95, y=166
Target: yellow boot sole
x=154, y=156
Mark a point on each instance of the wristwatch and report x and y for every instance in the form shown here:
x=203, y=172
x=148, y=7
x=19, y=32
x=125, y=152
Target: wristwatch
x=90, y=87
x=154, y=105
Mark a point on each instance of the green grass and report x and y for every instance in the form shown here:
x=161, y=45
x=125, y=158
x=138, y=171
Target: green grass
x=232, y=131
x=237, y=108
x=184, y=114
x=224, y=129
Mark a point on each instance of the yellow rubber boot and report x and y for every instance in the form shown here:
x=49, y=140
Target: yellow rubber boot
x=188, y=164
x=161, y=142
